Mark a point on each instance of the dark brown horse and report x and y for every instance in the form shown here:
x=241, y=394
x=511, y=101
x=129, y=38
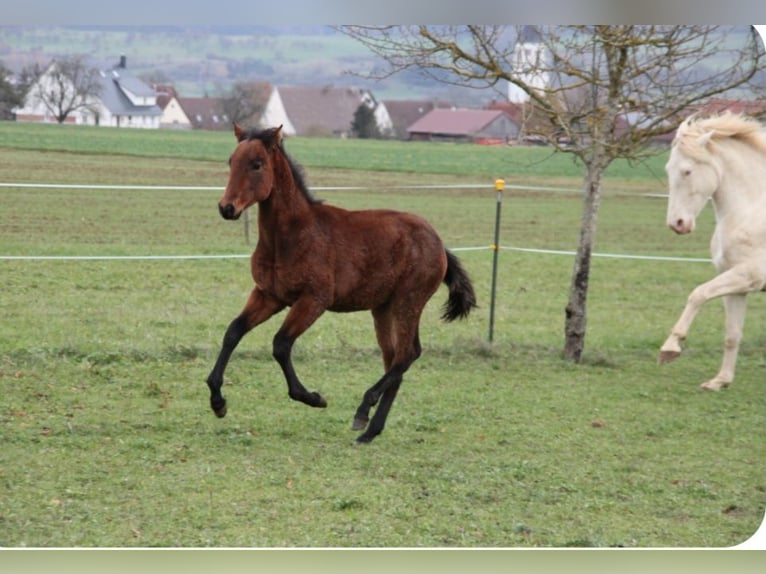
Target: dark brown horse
x=313, y=257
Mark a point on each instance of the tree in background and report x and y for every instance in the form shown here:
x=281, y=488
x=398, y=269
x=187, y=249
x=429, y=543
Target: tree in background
x=245, y=102
x=608, y=91
x=10, y=94
x=67, y=85
x=364, y=125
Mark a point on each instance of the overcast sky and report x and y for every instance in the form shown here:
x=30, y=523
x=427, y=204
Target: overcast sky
x=304, y=12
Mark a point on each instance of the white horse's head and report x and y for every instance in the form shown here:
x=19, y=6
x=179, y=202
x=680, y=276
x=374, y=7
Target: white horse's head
x=693, y=177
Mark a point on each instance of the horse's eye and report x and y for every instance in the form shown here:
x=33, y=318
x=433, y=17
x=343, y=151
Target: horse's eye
x=256, y=164
x=686, y=172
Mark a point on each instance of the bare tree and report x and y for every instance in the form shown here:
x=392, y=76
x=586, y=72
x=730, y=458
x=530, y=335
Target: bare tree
x=245, y=102
x=10, y=96
x=67, y=85
x=608, y=91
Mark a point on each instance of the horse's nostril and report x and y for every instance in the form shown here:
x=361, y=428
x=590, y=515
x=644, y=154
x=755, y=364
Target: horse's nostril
x=227, y=211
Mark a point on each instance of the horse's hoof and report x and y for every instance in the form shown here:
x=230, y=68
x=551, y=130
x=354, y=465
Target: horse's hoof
x=319, y=401
x=359, y=424
x=668, y=356
x=713, y=386
x=220, y=410
x=364, y=439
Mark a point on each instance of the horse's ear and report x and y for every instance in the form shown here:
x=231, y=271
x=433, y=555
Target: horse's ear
x=239, y=132
x=273, y=137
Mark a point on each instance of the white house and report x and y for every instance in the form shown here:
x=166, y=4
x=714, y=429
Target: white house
x=531, y=61
x=275, y=114
x=123, y=101
x=173, y=114
x=320, y=111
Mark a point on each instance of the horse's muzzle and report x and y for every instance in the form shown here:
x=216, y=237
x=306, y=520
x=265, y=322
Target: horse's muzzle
x=228, y=211
x=682, y=226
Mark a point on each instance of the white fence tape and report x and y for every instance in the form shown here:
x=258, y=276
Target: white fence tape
x=247, y=256
x=533, y=188
x=328, y=188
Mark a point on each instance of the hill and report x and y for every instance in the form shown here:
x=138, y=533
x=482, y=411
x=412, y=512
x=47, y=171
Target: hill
x=206, y=60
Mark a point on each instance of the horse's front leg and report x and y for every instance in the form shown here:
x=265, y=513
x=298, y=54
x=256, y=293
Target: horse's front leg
x=259, y=307
x=738, y=280
x=304, y=312
x=671, y=348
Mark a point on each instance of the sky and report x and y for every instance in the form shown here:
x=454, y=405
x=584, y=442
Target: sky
x=305, y=12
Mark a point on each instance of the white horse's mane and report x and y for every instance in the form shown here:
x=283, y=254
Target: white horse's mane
x=695, y=133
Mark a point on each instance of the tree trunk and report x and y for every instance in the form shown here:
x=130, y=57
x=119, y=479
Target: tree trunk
x=576, y=309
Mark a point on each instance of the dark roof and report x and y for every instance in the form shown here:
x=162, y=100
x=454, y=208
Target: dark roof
x=165, y=93
x=455, y=121
x=114, y=85
x=404, y=113
x=530, y=35
x=317, y=110
x=205, y=113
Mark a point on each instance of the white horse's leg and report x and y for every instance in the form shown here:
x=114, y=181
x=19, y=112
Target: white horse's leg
x=737, y=280
x=735, y=306
x=671, y=348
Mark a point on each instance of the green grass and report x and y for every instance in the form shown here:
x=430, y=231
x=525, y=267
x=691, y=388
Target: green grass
x=420, y=158
x=109, y=441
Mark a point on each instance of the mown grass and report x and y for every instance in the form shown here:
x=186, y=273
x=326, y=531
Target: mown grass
x=108, y=438
x=427, y=159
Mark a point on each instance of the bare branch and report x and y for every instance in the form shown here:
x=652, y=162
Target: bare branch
x=68, y=85
x=609, y=91
x=618, y=86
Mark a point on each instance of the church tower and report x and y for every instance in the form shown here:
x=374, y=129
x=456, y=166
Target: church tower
x=531, y=64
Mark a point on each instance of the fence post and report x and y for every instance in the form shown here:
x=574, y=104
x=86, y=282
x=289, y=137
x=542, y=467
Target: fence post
x=499, y=185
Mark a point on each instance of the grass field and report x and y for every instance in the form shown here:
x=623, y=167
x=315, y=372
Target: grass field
x=108, y=437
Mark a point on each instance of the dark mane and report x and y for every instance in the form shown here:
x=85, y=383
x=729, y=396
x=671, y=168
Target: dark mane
x=271, y=138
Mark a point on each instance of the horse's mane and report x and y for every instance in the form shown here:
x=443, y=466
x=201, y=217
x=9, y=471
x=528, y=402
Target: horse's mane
x=719, y=127
x=272, y=138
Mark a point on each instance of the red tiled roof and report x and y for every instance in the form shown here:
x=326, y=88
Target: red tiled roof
x=718, y=105
x=165, y=93
x=404, y=113
x=455, y=121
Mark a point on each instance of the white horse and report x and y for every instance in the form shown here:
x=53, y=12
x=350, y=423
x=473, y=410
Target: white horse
x=722, y=158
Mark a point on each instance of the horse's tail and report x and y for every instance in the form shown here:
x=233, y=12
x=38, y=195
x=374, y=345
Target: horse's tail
x=461, y=296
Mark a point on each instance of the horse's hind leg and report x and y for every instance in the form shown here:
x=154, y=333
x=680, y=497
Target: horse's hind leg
x=407, y=351
x=259, y=307
x=384, y=332
x=735, y=306
x=301, y=316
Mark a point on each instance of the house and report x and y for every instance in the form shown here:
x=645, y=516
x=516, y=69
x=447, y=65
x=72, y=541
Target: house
x=205, y=113
x=320, y=111
x=630, y=120
x=173, y=115
x=122, y=101
x=755, y=108
x=530, y=61
x=275, y=114
x=404, y=113
x=466, y=125
x=210, y=113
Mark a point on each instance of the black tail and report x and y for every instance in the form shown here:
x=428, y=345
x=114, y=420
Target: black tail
x=461, y=296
